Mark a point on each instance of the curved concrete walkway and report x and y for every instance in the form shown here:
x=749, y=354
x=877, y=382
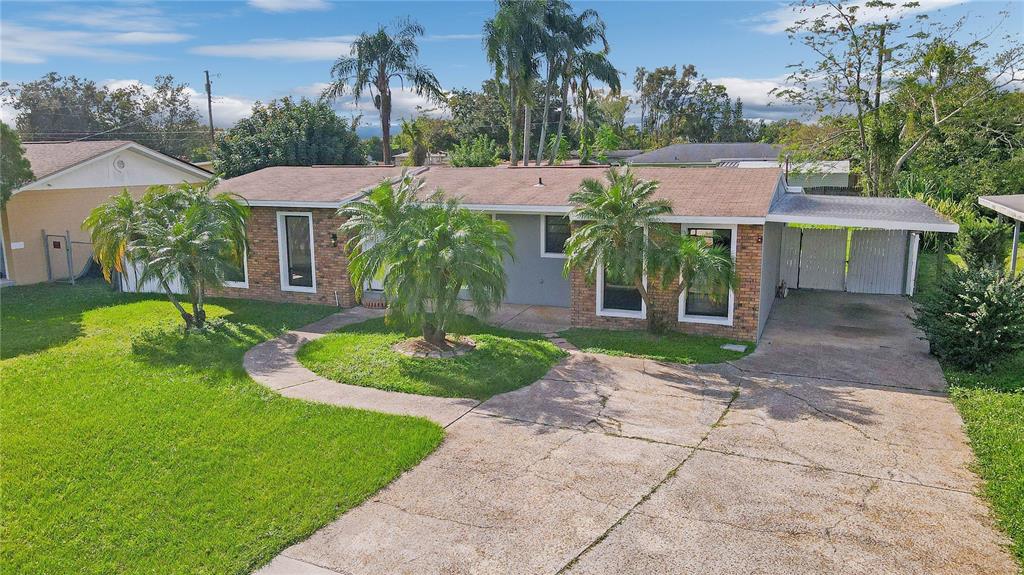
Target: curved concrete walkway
x=274, y=364
x=621, y=465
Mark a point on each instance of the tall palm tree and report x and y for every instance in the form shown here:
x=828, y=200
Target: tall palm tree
x=555, y=43
x=427, y=253
x=512, y=40
x=183, y=233
x=620, y=232
x=377, y=59
x=580, y=61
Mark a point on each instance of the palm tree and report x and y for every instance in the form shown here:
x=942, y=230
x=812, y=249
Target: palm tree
x=375, y=60
x=512, y=40
x=182, y=233
x=580, y=63
x=621, y=233
x=427, y=253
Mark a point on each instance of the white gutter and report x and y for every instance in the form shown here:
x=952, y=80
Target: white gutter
x=863, y=223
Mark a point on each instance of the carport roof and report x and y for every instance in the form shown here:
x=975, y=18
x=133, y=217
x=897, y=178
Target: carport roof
x=859, y=212
x=1010, y=206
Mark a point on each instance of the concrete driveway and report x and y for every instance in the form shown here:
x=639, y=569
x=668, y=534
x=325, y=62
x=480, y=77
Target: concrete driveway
x=771, y=465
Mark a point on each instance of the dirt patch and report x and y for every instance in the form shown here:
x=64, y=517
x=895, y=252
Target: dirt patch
x=419, y=347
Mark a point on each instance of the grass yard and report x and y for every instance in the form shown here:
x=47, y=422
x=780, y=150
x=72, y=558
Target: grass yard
x=992, y=406
x=361, y=354
x=130, y=448
x=672, y=346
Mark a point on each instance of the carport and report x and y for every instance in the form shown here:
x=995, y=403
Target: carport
x=851, y=244
x=1013, y=208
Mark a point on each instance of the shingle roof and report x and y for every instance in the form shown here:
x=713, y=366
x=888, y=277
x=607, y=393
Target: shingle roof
x=707, y=153
x=716, y=192
x=884, y=213
x=307, y=185
x=51, y=157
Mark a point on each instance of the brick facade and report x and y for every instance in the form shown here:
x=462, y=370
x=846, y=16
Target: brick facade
x=331, y=265
x=583, y=306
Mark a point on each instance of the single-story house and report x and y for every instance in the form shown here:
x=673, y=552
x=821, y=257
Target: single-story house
x=1011, y=206
x=41, y=224
x=817, y=177
x=779, y=237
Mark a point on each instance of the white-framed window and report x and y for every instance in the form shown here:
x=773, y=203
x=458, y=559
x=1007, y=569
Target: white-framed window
x=237, y=275
x=554, y=232
x=295, y=251
x=618, y=297
x=698, y=304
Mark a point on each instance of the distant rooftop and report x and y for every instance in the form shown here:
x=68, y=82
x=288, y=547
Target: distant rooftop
x=708, y=153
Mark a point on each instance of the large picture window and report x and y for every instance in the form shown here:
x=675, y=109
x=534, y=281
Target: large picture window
x=295, y=244
x=555, y=231
x=701, y=302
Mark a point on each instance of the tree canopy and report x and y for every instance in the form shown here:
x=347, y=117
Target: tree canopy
x=160, y=116
x=288, y=133
x=15, y=170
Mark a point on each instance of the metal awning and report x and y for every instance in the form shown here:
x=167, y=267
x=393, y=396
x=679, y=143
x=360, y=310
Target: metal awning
x=859, y=212
x=1009, y=206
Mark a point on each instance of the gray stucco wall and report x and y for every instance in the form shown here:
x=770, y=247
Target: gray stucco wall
x=533, y=279
x=771, y=250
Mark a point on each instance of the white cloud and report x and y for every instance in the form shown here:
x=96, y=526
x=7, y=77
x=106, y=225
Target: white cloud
x=227, y=110
x=118, y=18
x=405, y=103
x=29, y=45
x=304, y=49
x=754, y=92
x=289, y=5
x=778, y=20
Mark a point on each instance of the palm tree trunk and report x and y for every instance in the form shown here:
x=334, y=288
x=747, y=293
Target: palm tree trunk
x=513, y=113
x=200, y=305
x=544, y=121
x=526, y=135
x=654, y=323
x=385, y=126
x=187, y=317
x=561, y=122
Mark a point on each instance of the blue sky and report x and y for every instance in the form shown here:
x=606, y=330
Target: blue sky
x=263, y=49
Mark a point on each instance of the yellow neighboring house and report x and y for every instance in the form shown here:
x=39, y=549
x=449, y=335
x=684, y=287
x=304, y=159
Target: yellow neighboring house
x=72, y=178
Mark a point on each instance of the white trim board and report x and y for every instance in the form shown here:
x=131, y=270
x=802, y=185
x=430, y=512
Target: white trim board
x=244, y=284
x=282, y=252
x=865, y=223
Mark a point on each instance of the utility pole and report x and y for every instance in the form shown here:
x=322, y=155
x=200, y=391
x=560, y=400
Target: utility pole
x=209, y=112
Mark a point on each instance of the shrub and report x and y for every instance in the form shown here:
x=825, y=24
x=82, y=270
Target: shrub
x=983, y=242
x=974, y=316
x=481, y=151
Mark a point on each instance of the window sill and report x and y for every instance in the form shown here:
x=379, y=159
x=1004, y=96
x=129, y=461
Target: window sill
x=706, y=319
x=622, y=313
x=556, y=256
x=237, y=285
x=299, y=289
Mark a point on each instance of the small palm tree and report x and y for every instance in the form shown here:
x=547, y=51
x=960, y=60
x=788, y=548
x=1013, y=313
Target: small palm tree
x=428, y=253
x=620, y=232
x=374, y=61
x=182, y=233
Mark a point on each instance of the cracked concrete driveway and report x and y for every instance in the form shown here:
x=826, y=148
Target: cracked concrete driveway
x=771, y=465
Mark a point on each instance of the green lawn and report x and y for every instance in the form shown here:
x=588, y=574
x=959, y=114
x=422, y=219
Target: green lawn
x=129, y=448
x=992, y=406
x=361, y=354
x=673, y=347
